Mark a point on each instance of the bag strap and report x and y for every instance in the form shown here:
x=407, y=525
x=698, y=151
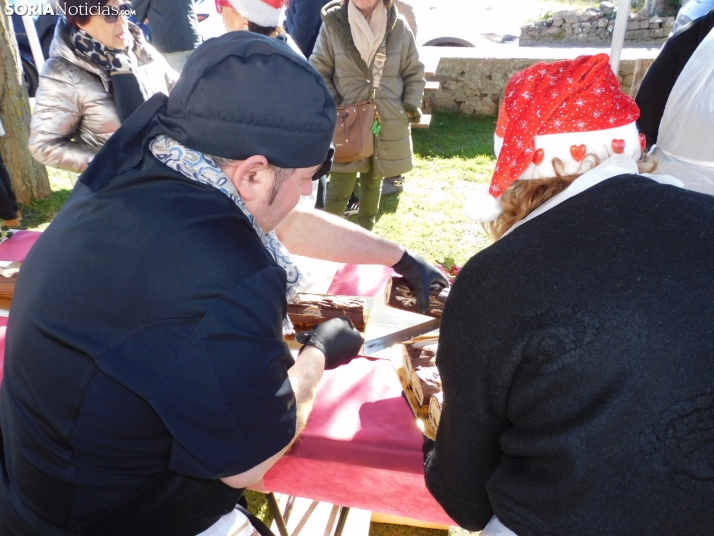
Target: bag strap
x=380, y=58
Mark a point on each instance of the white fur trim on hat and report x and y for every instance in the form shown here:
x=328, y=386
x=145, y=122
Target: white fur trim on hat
x=598, y=142
x=259, y=12
x=481, y=206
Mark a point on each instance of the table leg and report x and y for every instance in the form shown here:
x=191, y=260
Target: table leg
x=344, y=511
x=277, y=514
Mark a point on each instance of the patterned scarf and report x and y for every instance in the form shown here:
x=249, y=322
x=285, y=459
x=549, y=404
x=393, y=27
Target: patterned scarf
x=202, y=168
x=94, y=51
x=367, y=34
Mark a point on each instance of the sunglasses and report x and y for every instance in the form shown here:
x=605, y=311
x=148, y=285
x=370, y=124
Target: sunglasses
x=116, y=11
x=220, y=4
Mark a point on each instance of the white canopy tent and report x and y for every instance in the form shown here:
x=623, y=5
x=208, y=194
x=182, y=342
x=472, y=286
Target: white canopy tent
x=34, y=41
x=618, y=34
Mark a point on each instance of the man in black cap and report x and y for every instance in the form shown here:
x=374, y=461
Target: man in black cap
x=146, y=379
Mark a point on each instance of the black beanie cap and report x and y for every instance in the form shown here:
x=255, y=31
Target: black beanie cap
x=245, y=94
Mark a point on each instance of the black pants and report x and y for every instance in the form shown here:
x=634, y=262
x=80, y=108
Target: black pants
x=8, y=204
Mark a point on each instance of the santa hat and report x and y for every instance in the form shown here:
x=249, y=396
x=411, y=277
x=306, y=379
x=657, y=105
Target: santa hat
x=266, y=13
x=564, y=110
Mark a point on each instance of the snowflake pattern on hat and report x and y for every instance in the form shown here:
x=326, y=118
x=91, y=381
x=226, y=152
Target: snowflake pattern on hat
x=568, y=96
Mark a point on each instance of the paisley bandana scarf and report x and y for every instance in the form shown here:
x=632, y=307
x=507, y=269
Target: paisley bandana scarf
x=202, y=168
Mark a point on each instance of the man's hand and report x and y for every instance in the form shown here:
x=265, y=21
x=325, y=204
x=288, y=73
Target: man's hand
x=337, y=339
x=420, y=275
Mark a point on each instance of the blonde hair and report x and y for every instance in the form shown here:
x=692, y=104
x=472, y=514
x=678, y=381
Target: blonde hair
x=523, y=197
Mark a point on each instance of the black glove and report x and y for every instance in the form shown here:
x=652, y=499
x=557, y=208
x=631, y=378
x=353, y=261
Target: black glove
x=420, y=275
x=336, y=338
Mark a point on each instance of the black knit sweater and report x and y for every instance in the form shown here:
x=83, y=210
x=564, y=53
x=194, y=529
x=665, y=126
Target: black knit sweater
x=577, y=359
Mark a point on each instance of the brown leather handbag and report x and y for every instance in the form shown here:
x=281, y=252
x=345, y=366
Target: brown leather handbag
x=353, y=137
x=358, y=123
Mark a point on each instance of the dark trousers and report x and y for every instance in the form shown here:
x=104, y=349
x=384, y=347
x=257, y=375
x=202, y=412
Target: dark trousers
x=8, y=204
x=341, y=187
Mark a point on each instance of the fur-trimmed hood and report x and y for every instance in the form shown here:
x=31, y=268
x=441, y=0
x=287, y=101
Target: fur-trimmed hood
x=334, y=14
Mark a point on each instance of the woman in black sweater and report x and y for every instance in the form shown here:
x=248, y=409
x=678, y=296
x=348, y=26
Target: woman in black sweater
x=577, y=353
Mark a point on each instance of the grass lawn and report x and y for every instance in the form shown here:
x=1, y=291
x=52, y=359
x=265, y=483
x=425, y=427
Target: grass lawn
x=37, y=215
x=452, y=155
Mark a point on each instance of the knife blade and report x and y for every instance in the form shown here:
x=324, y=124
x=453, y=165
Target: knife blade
x=380, y=343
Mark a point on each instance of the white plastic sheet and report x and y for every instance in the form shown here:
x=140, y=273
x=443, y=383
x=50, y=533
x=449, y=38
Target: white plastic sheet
x=35, y=46
x=695, y=177
x=618, y=34
x=688, y=122
x=685, y=143
x=231, y=524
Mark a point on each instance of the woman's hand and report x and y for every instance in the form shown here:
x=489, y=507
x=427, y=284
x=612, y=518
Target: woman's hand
x=413, y=112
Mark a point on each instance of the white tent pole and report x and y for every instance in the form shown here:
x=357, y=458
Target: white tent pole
x=35, y=46
x=618, y=34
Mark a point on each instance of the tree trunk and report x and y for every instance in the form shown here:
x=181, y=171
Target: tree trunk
x=29, y=177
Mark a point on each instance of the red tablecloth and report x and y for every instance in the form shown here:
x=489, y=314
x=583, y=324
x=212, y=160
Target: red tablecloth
x=360, y=280
x=16, y=247
x=361, y=447
x=3, y=327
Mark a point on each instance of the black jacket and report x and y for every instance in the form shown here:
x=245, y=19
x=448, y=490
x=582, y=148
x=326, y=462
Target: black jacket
x=663, y=73
x=302, y=19
x=144, y=357
x=577, y=357
x=173, y=23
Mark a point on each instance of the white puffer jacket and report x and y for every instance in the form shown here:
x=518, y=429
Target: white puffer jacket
x=74, y=112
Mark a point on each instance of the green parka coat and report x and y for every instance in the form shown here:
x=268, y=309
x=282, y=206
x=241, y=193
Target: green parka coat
x=349, y=79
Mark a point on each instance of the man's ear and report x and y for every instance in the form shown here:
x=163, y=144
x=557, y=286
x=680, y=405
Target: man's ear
x=245, y=176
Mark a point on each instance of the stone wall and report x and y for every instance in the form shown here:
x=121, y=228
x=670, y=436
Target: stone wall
x=476, y=85
x=595, y=26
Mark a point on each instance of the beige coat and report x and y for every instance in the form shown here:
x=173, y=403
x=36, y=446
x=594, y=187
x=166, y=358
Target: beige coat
x=349, y=79
x=74, y=113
